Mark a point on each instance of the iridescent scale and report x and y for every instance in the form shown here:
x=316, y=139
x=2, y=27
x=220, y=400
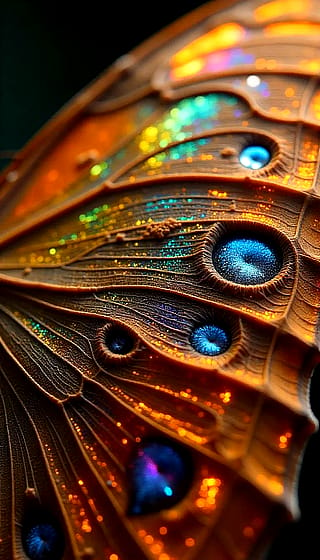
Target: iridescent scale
x=160, y=294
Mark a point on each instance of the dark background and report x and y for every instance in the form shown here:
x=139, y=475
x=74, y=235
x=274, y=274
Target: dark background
x=49, y=51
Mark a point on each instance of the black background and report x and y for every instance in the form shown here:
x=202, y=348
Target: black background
x=49, y=51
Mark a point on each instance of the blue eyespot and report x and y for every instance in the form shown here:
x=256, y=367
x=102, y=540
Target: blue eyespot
x=160, y=476
x=254, y=157
x=210, y=340
x=246, y=260
x=118, y=340
x=42, y=540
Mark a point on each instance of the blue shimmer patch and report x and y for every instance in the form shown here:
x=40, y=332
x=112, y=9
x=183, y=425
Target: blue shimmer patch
x=160, y=477
x=210, y=340
x=254, y=157
x=42, y=542
x=246, y=260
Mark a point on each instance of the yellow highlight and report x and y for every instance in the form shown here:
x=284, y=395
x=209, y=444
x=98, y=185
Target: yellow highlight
x=292, y=28
x=311, y=65
x=222, y=37
x=277, y=8
x=189, y=69
x=276, y=487
x=307, y=170
x=225, y=397
x=150, y=133
x=217, y=194
x=254, y=217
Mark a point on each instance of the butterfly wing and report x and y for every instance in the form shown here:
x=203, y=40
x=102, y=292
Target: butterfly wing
x=159, y=297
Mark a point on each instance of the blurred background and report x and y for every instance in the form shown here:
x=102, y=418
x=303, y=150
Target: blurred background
x=51, y=50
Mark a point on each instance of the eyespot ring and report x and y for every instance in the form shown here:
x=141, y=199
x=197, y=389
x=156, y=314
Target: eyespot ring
x=116, y=342
x=41, y=534
x=160, y=474
x=255, y=156
x=210, y=339
x=268, y=144
x=230, y=324
x=267, y=235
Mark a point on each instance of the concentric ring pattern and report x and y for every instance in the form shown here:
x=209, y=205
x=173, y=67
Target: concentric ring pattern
x=160, y=294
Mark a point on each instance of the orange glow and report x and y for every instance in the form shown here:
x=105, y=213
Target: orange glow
x=292, y=28
x=276, y=487
x=222, y=37
x=156, y=548
x=210, y=487
x=149, y=539
x=56, y=172
x=278, y=8
x=164, y=556
x=248, y=532
x=289, y=92
x=284, y=440
x=189, y=542
x=142, y=532
x=315, y=106
x=225, y=397
x=85, y=526
x=163, y=530
x=273, y=485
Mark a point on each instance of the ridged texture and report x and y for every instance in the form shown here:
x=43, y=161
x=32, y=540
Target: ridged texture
x=130, y=352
